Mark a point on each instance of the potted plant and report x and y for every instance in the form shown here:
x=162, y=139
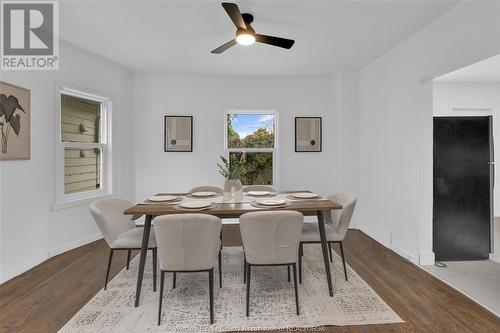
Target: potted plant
x=231, y=172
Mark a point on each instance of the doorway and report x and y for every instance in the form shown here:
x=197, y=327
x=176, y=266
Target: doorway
x=470, y=94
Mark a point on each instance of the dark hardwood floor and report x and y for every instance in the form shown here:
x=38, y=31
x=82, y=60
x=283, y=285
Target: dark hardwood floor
x=46, y=297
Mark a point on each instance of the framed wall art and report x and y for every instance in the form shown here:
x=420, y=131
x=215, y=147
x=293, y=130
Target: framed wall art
x=308, y=134
x=15, y=114
x=178, y=134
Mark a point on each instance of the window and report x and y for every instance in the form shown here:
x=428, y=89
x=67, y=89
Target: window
x=251, y=142
x=84, y=149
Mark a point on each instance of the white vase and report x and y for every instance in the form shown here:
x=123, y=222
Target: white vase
x=233, y=185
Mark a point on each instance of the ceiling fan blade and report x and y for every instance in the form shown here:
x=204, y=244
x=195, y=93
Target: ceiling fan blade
x=224, y=47
x=275, y=41
x=234, y=13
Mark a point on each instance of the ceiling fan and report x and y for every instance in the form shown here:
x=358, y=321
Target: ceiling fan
x=245, y=35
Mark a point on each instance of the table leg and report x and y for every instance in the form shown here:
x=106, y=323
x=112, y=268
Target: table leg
x=324, y=248
x=142, y=261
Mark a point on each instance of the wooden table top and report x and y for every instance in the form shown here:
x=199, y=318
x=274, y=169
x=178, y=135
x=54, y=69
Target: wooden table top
x=231, y=209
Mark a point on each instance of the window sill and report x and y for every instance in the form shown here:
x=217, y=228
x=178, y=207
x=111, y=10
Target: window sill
x=64, y=204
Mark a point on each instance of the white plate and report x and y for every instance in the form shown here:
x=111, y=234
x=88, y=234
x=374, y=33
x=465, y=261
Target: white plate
x=304, y=195
x=203, y=194
x=195, y=204
x=258, y=193
x=160, y=198
x=271, y=202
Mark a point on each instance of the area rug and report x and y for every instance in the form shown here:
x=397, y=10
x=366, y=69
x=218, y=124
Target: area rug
x=272, y=301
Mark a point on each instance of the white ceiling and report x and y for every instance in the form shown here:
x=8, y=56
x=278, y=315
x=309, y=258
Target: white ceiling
x=176, y=37
x=484, y=71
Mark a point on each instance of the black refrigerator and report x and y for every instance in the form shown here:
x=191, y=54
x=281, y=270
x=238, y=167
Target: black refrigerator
x=463, y=188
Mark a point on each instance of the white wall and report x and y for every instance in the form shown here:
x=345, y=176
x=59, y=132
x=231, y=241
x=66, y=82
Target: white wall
x=395, y=124
x=206, y=98
x=472, y=95
x=30, y=231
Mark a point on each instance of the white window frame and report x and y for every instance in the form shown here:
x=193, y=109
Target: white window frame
x=63, y=200
x=275, y=151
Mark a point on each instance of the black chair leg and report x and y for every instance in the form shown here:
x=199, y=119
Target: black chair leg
x=162, y=280
x=129, y=253
x=173, y=280
x=220, y=268
x=296, y=287
x=248, y=269
x=244, y=268
x=301, y=249
x=330, y=252
x=288, y=271
x=155, y=263
x=109, y=268
x=343, y=259
x=211, y=292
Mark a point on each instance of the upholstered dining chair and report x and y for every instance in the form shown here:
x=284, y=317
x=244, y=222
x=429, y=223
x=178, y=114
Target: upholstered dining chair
x=271, y=238
x=336, y=225
x=219, y=191
x=215, y=189
x=188, y=243
x=119, y=231
x=258, y=188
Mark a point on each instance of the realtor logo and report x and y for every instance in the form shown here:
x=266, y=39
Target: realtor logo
x=30, y=38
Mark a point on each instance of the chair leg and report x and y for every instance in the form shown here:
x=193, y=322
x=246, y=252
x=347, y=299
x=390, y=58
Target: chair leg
x=220, y=268
x=301, y=249
x=155, y=263
x=211, y=292
x=288, y=271
x=296, y=287
x=248, y=269
x=330, y=252
x=109, y=268
x=244, y=268
x=129, y=253
x=343, y=259
x=162, y=281
x=173, y=280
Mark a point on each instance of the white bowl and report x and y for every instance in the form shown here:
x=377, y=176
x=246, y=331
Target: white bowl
x=305, y=195
x=203, y=194
x=161, y=198
x=271, y=202
x=195, y=204
x=259, y=193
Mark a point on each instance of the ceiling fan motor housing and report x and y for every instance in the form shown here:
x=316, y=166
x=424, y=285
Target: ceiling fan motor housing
x=247, y=17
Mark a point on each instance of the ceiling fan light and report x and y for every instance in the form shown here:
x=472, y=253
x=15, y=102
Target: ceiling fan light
x=245, y=38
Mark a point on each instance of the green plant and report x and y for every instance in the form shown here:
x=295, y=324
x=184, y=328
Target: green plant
x=229, y=170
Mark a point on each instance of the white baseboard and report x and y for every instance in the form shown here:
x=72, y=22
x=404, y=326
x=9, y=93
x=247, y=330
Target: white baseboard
x=23, y=268
x=354, y=226
x=51, y=253
x=426, y=258
x=384, y=237
x=495, y=257
x=73, y=245
x=378, y=233
x=405, y=254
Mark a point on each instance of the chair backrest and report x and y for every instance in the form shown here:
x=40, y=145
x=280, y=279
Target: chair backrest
x=271, y=237
x=109, y=217
x=258, y=188
x=187, y=242
x=340, y=219
x=215, y=189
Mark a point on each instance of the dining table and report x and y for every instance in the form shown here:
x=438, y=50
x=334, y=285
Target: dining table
x=226, y=209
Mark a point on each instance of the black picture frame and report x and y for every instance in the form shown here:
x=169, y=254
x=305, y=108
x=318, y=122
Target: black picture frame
x=168, y=147
x=318, y=147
